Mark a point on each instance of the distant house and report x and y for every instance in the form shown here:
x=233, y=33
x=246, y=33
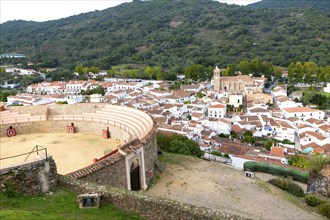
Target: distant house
x=303, y=113
x=296, y=95
x=236, y=99
x=197, y=116
x=217, y=111
x=259, y=111
x=327, y=88
x=219, y=125
x=192, y=88
x=96, y=98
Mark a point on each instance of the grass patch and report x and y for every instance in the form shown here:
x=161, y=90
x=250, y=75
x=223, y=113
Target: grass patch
x=62, y=205
x=170, y=159
x=263, y=185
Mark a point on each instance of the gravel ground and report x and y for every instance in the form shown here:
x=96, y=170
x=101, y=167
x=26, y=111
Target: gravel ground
x=220, y=187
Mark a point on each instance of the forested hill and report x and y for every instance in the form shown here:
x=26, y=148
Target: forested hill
x=172, y=34
x=321, y=5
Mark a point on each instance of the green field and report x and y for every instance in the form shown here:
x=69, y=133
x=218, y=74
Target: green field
x=61, y=205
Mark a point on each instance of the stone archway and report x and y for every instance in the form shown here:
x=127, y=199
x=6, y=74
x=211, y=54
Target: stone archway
x=135, y=175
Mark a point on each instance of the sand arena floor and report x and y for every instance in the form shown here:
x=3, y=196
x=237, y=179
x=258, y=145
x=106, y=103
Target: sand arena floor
x=70, y=151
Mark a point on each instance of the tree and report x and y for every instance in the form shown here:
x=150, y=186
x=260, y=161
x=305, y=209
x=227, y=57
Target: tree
x=308, y=96
x=244, y=67
x=247, y=133
x=152, y=72
x=291, y=72
x=195, y=72
x=310, y=68
x=94, y=69
x=324, y=74
x=233, y=134
x=268, y=144
x=111, y=73
x=277, y=72
x=299, y=70
x=255, y=66
x=178, y=144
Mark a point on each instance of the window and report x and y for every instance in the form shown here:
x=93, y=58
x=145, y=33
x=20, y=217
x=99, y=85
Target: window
x=311, y=114
x=238, y=100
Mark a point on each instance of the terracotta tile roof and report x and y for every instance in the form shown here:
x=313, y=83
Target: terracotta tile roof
x=236, y=128
x=232, y=147
x=325, y=127
x=293, y=119
x=277, y=151
x=217, y=106
x=300, y=126
x=259, y=110
x=299, y=109
x=107, y=161
x=318, y=150
x=313, y=134
x=161, y=120
x=315, y=121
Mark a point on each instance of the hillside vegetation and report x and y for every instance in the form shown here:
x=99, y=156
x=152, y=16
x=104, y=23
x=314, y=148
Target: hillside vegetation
x=172, y=35
x=321, y=5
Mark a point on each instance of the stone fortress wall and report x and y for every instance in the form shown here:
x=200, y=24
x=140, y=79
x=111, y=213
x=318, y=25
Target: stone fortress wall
x=32, y=177
x=135, y=129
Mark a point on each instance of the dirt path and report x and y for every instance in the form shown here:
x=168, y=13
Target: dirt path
x=222, y=188
x=70, y=151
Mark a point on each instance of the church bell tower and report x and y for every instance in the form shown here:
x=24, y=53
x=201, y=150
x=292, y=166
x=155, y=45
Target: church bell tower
x=216, y=73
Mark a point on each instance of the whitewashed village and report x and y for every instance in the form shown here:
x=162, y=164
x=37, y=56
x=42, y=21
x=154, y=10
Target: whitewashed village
x=229, y=114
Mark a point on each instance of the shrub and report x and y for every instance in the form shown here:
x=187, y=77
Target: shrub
x=288, y=186
x=324, y=209
x=276, y=170
x=216, y=153
x=226, y=155
x=10, y=190
x=178, y=144
x=318, y=162
x=299, y=161
x=233, y=134
x=222, y=135
x=312, y=200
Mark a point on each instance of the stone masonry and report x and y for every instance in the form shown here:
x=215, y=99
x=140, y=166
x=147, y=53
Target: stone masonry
x=33, y=177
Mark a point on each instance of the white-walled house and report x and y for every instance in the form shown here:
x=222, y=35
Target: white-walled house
x=282, y=130
x=310, y=137
x=160, y=93
x=258, y=111
x=219, y=125
x=278, y=91
x=303, y=113
x=217, y=111
x=285, y=102
x=236, y=99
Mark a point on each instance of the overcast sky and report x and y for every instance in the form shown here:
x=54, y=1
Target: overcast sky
x=44, y=10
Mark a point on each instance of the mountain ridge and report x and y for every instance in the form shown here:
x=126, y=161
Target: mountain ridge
x=319, y=5
x=171, y=34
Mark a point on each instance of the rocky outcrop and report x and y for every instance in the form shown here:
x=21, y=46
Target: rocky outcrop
x=320, y=182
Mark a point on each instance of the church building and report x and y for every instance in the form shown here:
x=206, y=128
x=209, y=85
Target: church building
x=237, y=84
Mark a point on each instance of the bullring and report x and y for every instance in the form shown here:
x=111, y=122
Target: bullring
x=129, y=166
